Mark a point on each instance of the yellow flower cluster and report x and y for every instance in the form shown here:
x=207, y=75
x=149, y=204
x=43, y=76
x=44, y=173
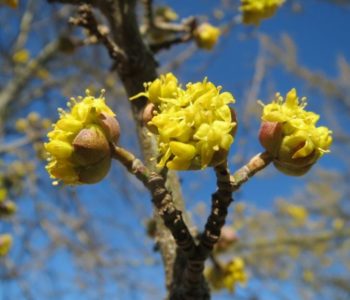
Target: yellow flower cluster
x=256, y=10
x=78, y=147
x=228, y=276
x=5, y=244
x=194, y=125
x=206, y=36
x=290, y=134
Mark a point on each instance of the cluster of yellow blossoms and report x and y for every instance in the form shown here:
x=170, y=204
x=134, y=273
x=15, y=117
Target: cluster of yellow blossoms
x=79, y=144
x=195, y=128
x=289, y=133
x=227, y=277
x=194, y=125
x=254, y=11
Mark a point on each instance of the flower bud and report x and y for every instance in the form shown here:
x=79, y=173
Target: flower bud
x=270, y=136
x=110, y=127
x=94, y=173
x=5, y=244
x=147, y=115
x=90, y=146
x=291, y=169
x=206, y=36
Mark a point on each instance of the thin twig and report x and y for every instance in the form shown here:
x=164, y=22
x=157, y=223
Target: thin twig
x=257, y=163
x=14, y=86
x=169, y=43
x=14, y=145
x=87, y=20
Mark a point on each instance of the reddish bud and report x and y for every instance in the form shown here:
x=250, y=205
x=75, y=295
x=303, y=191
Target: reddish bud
x=90, y=146
x=111, y=127
x=147, y=115
x=291, y=169
x=94, y=172
x=228, y=236
x=270, y=136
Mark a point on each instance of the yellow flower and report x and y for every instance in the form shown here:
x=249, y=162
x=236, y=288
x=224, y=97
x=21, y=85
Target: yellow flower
x=206, y=36
x=79, y=144
x=289, y=133
x=256, y=10
x=164, y=87
x=227, y=276
x=194, y=126
x=5, y=244
x=21, y=56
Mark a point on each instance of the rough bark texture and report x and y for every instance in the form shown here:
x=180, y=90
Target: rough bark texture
x=139, y=67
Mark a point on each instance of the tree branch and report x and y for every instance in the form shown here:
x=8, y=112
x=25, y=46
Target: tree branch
x=87, y=20
x=16, y=85
x=161, y=198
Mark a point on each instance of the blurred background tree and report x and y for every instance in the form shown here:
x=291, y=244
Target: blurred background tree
x=97, y=242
